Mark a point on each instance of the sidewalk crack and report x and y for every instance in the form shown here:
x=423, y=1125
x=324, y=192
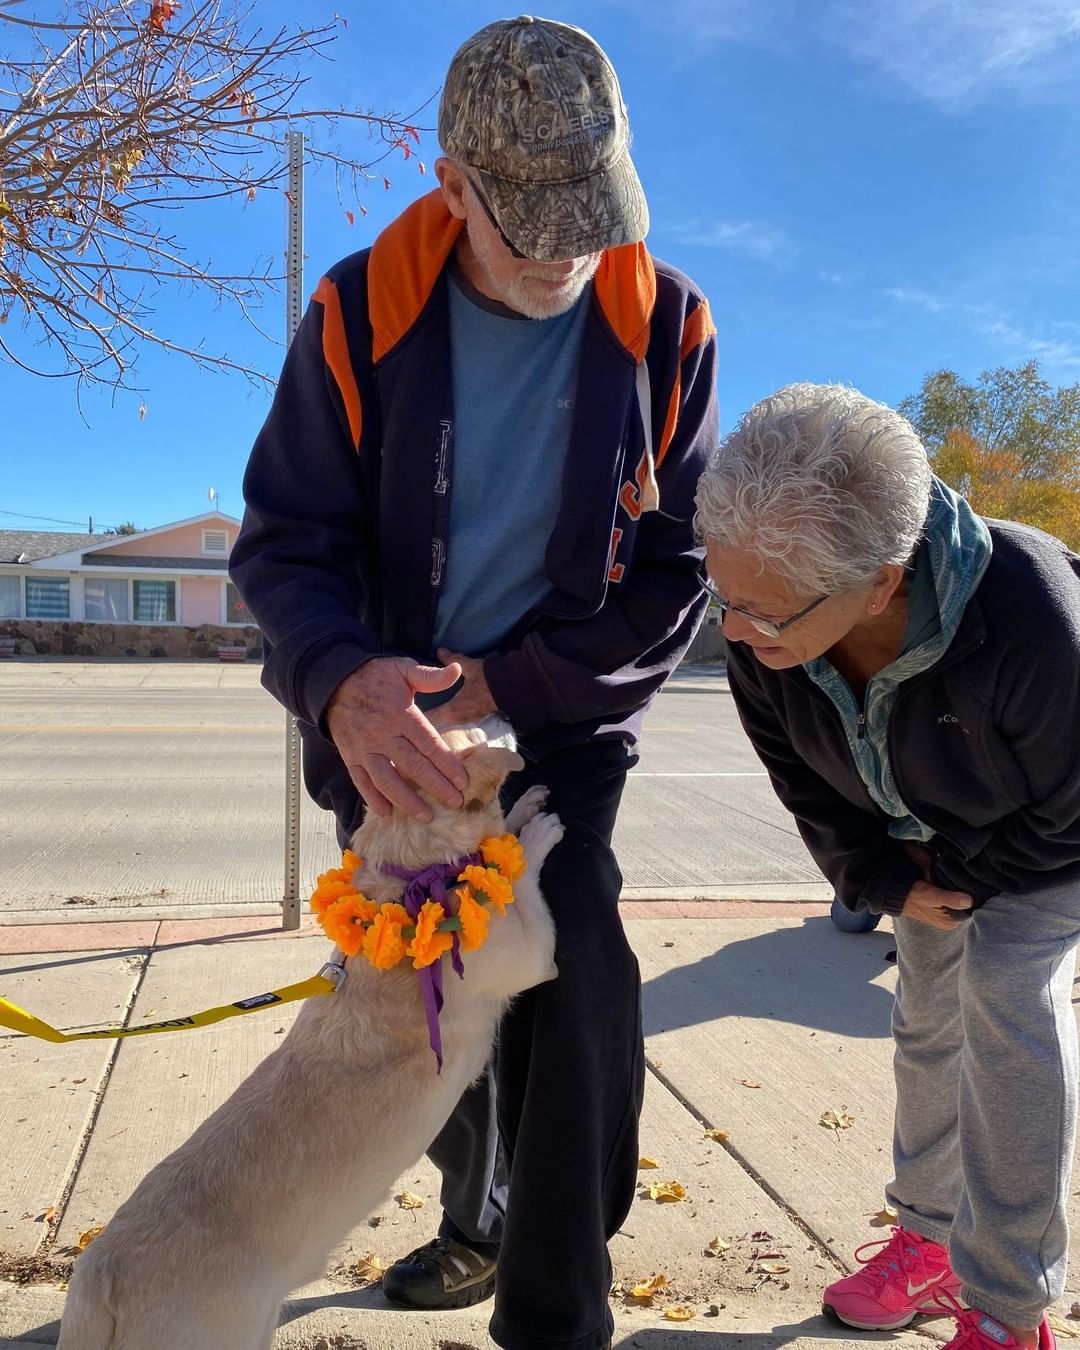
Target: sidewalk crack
x=820, y=1244
x=48, y=1240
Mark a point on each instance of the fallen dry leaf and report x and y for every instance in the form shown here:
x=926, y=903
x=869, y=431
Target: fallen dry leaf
x=773, y=1267
x=86, y=1238
x=645, y=1164
x=1074, y=1311
x=369, y=1268
x=48, y=1215
x=749, y=1082
x=837, y=1120
x=717, y=1136
x=647, y=1289
x=679, y=1312
x=716, y=1247
x=407, y=1200
x=884, y=1218
x=667, y=1190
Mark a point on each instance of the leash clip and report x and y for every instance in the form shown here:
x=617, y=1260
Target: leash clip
x=335, y=971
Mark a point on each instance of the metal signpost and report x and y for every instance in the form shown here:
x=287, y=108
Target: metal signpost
x=294, y=270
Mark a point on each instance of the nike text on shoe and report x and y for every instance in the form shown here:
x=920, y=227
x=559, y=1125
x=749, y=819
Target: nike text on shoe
x=977, y=1330
x=895, y=1285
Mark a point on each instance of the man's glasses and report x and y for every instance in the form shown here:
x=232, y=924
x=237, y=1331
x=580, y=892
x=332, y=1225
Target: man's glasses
x=515, y=251
x=770, y=627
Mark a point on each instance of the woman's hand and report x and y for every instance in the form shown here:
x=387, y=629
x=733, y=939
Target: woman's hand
x=931, y=904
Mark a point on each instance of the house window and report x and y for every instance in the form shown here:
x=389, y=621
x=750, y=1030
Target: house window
x=235, y=609
x=10, y=597
x=155, y=601
x=107, y=599
x=215, y=543
x=47, y=598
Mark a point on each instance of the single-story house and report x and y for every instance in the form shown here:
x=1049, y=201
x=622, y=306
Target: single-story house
x=171, y=577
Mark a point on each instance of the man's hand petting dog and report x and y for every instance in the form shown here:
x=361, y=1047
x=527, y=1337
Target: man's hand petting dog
x=384, y=738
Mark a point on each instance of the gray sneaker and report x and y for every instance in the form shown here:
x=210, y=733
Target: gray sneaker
x=441, y=1274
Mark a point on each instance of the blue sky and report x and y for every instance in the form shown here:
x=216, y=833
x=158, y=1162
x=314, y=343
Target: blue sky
x=866, y=190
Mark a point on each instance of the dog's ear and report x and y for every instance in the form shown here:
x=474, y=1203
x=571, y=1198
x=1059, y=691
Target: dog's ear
x=488, y=767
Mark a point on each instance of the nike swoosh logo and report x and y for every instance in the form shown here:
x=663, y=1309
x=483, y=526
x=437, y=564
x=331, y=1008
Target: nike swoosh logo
x=914, y=1289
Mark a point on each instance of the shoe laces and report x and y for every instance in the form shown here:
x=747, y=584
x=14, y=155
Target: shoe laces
x=967, y=1335
x=899, y=1255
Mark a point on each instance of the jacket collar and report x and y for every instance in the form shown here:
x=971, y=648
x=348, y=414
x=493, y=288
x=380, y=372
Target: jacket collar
x=408, y=257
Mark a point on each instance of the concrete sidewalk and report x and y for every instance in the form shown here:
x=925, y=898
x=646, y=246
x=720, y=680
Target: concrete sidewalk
x=760, y=1019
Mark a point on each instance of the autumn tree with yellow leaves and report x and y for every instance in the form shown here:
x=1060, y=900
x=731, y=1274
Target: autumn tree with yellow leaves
x=118, y=118
x=1009, y=443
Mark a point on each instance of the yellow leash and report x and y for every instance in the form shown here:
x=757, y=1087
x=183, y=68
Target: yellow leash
x=328, y=980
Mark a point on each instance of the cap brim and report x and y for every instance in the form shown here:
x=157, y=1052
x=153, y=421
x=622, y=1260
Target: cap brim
x=551, y=222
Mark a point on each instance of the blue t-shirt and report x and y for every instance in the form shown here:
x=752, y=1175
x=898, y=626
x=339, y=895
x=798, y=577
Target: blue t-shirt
x=514, y=383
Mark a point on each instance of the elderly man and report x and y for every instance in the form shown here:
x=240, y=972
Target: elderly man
x=483, y=450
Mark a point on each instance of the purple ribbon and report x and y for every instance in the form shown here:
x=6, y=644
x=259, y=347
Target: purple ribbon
x=420, y=886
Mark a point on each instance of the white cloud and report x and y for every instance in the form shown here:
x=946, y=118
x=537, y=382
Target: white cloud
x=743, y=237
x=951, y=52
x=1059, y=348
x=954, y=52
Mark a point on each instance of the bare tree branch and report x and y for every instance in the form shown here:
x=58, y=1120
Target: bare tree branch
x=114, y=113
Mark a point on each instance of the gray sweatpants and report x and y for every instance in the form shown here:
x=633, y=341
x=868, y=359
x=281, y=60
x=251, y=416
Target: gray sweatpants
x=986, y=1088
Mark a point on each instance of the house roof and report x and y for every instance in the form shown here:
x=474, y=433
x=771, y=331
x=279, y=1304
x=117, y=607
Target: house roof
x=172, y=564
x=38, y=544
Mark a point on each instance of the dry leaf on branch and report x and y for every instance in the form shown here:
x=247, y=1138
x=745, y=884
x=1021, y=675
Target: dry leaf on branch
x=645, y=1291
x=679, y=1312
x=407, y=1200
x=86, y=1238
x=645, y=1164
x=837, y=1120
x=717, y=1136
x=667, y=1190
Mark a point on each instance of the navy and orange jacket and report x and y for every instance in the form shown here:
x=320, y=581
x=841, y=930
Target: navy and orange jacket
x=347, y=496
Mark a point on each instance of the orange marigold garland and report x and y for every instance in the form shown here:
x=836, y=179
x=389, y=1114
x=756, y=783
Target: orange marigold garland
x=386, y=935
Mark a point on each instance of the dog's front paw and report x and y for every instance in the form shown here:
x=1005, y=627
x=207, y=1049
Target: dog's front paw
x=538, y=837
x=526, y=808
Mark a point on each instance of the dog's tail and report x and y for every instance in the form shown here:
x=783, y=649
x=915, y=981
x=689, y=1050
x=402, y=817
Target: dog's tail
x=88, y=1322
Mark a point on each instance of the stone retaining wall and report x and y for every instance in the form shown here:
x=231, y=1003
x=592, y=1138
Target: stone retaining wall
x=37, y=637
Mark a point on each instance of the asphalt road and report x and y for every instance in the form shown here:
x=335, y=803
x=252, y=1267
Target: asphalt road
x=159, y=788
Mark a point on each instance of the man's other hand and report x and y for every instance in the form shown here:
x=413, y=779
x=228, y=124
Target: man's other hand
x=473, y=701
x=385, y=739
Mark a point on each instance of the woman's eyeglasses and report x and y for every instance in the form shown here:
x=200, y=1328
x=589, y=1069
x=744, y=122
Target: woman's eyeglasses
x=770, y=627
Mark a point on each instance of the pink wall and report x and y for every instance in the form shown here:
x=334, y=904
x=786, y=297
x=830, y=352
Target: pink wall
x=183, y=542
x=200, y=601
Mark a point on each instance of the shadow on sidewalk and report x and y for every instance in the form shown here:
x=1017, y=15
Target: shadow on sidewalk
x=812, y=976
x=815, y=1329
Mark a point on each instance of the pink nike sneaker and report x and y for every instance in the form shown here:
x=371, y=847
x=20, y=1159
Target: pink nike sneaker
x=895, y=1285
x=979, y=1331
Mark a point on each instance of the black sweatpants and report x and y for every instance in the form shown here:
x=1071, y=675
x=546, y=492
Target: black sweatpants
x=539, y=1161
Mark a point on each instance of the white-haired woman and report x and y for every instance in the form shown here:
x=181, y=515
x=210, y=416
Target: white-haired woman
x=910, y=675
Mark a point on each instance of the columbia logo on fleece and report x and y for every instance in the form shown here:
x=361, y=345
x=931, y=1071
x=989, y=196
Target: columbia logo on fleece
x=948, y=720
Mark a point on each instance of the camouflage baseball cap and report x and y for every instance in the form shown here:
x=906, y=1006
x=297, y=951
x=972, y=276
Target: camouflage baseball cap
x=532, y=110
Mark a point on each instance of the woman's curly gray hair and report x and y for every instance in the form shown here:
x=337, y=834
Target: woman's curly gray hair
x=821, y=485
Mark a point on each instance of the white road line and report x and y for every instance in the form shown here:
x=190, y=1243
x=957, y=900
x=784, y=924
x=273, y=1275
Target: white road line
x=756, y=773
